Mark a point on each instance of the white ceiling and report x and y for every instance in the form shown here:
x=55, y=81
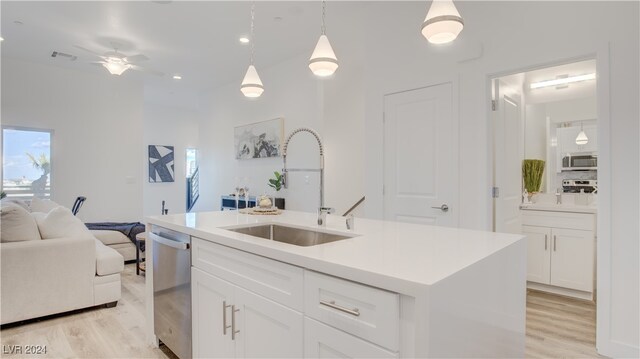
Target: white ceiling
x=196, y=39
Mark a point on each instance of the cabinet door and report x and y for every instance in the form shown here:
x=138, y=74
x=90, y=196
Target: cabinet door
x=572, y=259
x=538, y=253
x=265, y=328
x=323, y=341
x=209, y=295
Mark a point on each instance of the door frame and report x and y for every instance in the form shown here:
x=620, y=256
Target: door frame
x=455, y=117
x=601, y=55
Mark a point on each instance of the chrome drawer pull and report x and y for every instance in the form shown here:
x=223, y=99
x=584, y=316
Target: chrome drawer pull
x=332, y=304
x=224, y=317
x=233, y=322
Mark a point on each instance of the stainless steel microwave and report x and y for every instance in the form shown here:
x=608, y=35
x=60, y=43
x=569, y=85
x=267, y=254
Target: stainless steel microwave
x=580, y=163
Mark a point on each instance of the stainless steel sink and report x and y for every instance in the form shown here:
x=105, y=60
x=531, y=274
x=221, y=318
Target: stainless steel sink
x=291, y=235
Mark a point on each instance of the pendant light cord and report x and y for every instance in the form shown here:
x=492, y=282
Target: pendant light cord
x=253, y=15
x=324, y=10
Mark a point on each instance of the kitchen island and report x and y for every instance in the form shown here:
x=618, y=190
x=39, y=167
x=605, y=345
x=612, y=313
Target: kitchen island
x=388, y=290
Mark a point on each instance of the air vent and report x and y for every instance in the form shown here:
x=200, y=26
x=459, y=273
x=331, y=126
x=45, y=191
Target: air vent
x=63, y=55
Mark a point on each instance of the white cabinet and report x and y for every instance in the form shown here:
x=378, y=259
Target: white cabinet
x=323, y=341
x=231, y=322
x=247, y=306
x=567, y=140
x=560, y=252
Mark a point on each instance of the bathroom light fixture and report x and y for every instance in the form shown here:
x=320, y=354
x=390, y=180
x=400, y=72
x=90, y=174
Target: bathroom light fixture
x=251, y=84
x=244, y=40
x=582, y=138
x=1, y=38
x=443, y=22
x=116, y=66
x=177, y=77
x=323, y=61
x=563, y=81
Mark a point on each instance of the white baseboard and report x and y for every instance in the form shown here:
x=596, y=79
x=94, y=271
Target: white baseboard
x=561, y=291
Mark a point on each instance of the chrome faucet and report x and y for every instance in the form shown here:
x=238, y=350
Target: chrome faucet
x=322, y=210
x=558, y=196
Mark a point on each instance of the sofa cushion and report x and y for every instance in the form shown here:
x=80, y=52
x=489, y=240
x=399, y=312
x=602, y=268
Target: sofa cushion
x=16, y=224
x=110, y=237
x=108, y=260
x=20, y=202
x=58, y=223
x=42, y=205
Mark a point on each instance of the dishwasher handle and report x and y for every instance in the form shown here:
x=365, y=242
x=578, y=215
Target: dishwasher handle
x=169, y=242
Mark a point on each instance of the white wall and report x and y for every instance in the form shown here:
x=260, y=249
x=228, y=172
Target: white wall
x=97, y=123
x=515, y=36
x=170, y=126
x=333, y=107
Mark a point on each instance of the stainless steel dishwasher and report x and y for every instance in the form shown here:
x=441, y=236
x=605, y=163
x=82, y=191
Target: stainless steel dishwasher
x=172, y=289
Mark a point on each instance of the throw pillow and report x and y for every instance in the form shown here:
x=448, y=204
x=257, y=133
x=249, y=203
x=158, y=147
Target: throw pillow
x=16, y=224
x=42, y=205
x=60, y=222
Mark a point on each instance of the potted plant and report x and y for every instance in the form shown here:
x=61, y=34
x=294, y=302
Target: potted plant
x=276, y=184
x=532, y=171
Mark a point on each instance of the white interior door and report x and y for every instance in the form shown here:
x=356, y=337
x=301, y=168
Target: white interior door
x=421, y=156
x=508, y=156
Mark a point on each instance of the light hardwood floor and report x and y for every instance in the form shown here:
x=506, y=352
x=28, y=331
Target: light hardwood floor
x=557, y=327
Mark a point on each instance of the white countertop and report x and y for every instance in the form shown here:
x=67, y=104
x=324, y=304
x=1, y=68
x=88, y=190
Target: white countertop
x=396, y=256
x=547, y=202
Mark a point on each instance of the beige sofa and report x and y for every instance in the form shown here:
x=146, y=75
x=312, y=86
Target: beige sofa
x=53, y=273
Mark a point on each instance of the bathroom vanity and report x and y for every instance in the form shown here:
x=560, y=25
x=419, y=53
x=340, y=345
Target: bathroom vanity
x=283, y=286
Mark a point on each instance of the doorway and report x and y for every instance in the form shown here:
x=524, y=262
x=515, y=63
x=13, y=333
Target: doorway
x=545, y=156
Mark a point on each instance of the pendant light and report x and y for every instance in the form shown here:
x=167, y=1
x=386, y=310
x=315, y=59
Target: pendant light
x=582, y=138
x=443, y=22
x=323, y=61
x=251, y=84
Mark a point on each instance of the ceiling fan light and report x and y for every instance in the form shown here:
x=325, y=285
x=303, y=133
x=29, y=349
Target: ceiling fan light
x=443, y=23
x=251, y=84
x=116, y=68
x=323, y=61
x=582, y=138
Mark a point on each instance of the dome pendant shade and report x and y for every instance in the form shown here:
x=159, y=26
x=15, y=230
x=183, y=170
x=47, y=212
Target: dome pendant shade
x=582, y=138
x=443, y=22
x=323, y=61
x=251, y=84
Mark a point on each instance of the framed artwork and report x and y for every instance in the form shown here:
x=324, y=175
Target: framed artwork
x=161, y=168
x=259, y=140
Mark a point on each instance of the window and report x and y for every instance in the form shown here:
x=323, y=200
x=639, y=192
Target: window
x=26, y=162
x=193, y=177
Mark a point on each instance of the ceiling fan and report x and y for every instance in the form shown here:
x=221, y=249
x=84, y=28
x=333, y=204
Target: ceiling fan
x=117, y=63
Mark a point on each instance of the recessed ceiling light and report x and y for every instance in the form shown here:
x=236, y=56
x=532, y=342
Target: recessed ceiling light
x=177, y=77
x=244, y=40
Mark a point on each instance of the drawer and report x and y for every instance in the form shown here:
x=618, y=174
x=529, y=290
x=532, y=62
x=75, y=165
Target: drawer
x=582, y=221
x=275, y=280
x=367, y=312
x=322, y=341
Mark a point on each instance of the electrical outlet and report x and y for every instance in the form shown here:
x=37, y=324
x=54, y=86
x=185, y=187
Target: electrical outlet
x=129, y=180
x=306, y=179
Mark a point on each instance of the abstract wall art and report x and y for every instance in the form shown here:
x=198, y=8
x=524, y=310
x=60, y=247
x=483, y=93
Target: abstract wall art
x=161, y=167
x=259, y=140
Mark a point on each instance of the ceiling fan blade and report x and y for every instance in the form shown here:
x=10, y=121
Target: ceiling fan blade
x=136, y=58
x=144, y=69
x=89, y=51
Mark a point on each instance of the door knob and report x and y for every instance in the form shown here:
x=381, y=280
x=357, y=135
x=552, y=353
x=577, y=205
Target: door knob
x=443, y=208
